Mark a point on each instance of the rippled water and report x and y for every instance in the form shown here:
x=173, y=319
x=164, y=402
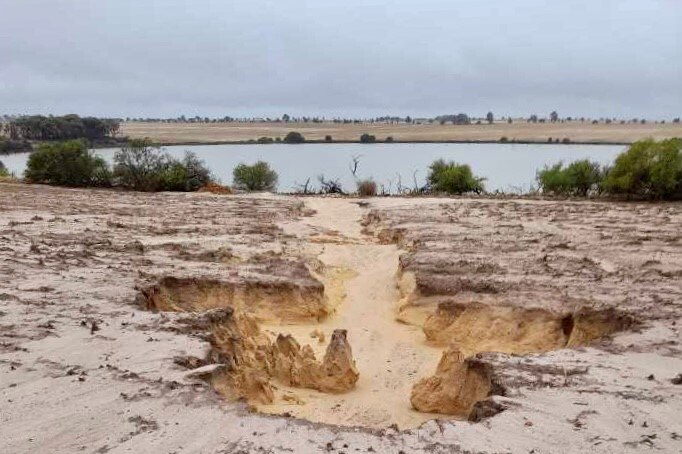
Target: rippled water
x=507, y=167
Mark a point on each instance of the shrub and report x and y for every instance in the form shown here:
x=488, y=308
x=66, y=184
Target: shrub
x=504, y=139
x=328, y=138
x=139, y=165
x=578, y=178
x=648, y=169
x=67, y=163
x=389, y=139
x=331, y=186
x=3, y=170
x=187, y=175
x=453, y=178
x=265, y=140
x=257, y=177
x=294, y=137
x=142, y=166
x=366, y=138
x=367, y=188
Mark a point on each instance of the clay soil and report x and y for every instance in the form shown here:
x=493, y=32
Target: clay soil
x=258, y=323
x=576, y=132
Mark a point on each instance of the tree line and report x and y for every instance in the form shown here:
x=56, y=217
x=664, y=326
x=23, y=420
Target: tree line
x=67, y=127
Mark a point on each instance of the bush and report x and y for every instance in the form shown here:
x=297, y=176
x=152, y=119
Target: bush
x=187, y=175
x=389, y=139
x=3, y=170
x=257, y=177
x=367, y=188
x=143, y=167
x=67, y=164
x=504, y=139
x=328, y=138
x=453, y=178
x=366, y=138
x=139, y=165
x=294, y=137
x=265, y=140
x=578, y=178
x=648, y=169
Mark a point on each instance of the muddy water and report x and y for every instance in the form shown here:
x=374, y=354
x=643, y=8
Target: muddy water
x=507, y=167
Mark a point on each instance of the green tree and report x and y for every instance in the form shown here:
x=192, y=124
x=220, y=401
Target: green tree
x=648, y=169
x=256, y=177
x=453, y=178
x=139, y=165
x=142, y=166
x=186, y=175
x=67, y=163
x=367, y=138
x=578, y=178
x=294, y=137
x=67, y=127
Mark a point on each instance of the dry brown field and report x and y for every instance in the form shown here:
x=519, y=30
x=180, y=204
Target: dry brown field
x=576, y=132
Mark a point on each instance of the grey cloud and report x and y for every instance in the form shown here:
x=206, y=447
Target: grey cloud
x=365, y=58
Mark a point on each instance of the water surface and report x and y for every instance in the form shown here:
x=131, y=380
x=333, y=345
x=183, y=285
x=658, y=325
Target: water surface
x=507, y=167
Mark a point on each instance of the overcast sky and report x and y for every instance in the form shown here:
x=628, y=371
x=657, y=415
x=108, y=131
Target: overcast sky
x=145, y=58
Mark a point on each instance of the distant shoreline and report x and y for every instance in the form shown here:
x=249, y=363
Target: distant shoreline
x=241, y=133
x=346, y=142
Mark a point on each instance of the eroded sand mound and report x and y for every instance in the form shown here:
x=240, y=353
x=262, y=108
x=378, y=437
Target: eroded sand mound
x=297, y=367
x=458, y=384
x=251, y=364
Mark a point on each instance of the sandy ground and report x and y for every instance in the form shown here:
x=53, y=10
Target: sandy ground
x=84, y=368
x=389, y=354
x=521, y=131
